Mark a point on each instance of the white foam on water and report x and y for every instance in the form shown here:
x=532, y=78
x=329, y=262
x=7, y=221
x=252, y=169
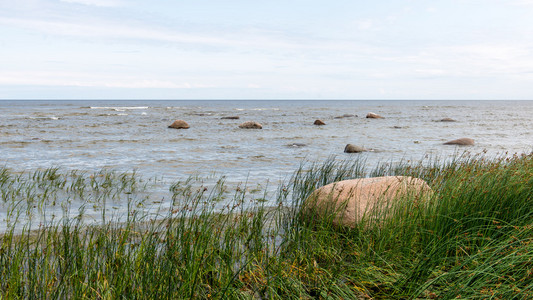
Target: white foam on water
x=119, y=108
x=44, y=118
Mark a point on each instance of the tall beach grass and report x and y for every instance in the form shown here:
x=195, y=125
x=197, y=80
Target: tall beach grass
x=472, y=239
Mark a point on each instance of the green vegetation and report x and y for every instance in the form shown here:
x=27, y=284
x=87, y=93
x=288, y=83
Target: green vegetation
x=473, y=239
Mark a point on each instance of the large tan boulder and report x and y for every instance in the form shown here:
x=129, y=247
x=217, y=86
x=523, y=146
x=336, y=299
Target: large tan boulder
x=461, y=142
x=372, y=115
x=348, y=202
x=251, y=125
x=179, y=124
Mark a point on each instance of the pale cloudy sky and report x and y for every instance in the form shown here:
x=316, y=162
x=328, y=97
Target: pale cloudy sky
x=291, y=49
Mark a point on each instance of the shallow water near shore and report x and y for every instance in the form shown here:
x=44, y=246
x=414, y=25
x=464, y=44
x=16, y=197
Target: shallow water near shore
x=127, y=136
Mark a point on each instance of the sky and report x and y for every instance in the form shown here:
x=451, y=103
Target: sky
x=291, y=49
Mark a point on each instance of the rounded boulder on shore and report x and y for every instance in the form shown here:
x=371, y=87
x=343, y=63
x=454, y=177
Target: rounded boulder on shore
x=179, y=124
x=348, y=202
x=461, y=142
x=251, y=125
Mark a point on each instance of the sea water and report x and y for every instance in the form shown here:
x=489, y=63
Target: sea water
x=134, y=136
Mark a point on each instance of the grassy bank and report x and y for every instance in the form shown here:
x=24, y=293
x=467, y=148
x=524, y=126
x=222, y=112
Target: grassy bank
x=472, y=240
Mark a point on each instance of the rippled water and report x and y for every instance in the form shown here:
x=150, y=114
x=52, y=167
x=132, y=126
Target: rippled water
x=133, y=135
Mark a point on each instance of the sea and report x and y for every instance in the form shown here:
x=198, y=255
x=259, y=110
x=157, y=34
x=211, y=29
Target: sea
x=127, y=136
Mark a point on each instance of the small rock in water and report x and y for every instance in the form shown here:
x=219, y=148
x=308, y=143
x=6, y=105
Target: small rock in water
x=372, y=115
x=231, y=118
x=200, y=114
x=251, y=125
x=319, y=122
x=397, y=127
x=179, y=124
x=353, y=149
x=296, y=145
x=448, y=120
x=461, y=142
x=346, y=116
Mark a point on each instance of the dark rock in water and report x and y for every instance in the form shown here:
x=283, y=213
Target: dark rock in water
x=296, y=145
x=319, y=122
x=230, y=118
x=346, y=116
x=372, y=115
x=461, y=142
x=200, y=114
x=251, y=125
x=179, y=124
x=448, y=120
x=397, y=127
x=353, y=149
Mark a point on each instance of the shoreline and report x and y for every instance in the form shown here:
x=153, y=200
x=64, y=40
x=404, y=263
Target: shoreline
x=479, y=214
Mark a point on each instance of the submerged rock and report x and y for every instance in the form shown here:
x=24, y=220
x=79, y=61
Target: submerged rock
x=353, y=149
x=296, y=145
x=448, y=120
x=348, y=202
x=372, y=115
x=230, y=118
x=251, y=125
x=179, y=124
x=319, y=122
x=345, y=116
x=461, y=142
x=200, y=114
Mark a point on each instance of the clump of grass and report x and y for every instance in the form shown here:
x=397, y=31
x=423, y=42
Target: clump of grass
x=472, y=239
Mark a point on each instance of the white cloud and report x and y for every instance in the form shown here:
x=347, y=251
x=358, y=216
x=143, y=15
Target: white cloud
x=102, y=3
x=520, y=2
x=74, y=79
x=243, y=40
x=365, y=24
x=469, y=60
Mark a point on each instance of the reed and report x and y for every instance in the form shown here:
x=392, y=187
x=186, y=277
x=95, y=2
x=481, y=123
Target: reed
x=473, y=239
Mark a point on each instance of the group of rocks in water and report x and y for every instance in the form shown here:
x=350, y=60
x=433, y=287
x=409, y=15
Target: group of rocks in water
x=181, y=124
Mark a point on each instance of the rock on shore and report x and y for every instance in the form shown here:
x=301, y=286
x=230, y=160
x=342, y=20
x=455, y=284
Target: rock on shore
x=251, y=125
x=461, y=142
x=348, y=202
x=179, y=124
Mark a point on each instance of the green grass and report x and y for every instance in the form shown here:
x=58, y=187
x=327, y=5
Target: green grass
x=472, y=239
